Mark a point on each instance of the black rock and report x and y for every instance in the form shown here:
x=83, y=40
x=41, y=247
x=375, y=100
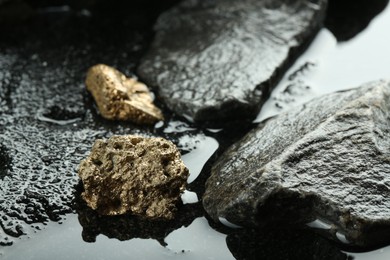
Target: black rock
x=218, y=60
x=347, y=18
x=327, y=160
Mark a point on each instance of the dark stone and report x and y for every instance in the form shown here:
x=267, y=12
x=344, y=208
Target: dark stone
x=281, y=244
x=327, y=159
x=347, y=18
x=14, y=12
x=218, y=60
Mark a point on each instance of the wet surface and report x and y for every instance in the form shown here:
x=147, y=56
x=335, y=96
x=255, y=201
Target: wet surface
x=281, y=244
x=48, y=122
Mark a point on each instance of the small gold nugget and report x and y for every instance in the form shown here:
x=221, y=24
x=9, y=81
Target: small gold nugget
x=121, y=98
x=135, y=175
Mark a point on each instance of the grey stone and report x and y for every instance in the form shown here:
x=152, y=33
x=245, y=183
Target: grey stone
x=326, y=160
x=218, y=60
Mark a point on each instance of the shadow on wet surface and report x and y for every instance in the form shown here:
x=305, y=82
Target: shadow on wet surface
x=283, y=244
x=126, y=227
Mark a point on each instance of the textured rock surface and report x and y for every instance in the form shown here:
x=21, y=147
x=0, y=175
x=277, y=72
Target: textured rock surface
x=47, y=119
x=118, y=97
x=132, y=174
x=328, y=159
x=218, y=60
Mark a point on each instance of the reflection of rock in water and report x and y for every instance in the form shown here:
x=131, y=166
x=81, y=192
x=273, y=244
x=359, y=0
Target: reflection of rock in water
x=281, y=244
x=126, y=227
x=347, y=18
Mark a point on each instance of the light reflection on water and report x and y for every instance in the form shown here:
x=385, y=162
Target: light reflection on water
x=198, y=158
x=336, y=66
x=64, y=242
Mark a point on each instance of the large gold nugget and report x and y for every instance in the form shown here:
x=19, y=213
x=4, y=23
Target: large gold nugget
x=121, y=98
x=132, y=174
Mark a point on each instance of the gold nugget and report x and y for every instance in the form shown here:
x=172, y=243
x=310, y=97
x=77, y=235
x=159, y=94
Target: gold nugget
x=121, y=98
x=135, y=175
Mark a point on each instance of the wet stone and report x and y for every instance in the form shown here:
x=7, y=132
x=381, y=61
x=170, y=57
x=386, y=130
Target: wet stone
x=121, y=98
x=132, y=174
x=326, y=160
x=218, y=60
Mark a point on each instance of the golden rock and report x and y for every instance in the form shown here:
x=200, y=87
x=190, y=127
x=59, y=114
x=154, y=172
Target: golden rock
x=121, y=98
x=132, y=174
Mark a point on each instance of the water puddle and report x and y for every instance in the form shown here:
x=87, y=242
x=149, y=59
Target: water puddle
x=198, y=241
x=333, y=66
x=380, y=254
x=198, y=158
x=64, y=241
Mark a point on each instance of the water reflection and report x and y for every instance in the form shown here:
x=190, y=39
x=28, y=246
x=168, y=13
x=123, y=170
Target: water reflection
x=126, y=227
x=282, y=244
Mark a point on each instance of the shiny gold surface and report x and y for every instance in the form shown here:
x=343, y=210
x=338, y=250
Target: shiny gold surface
x=132, y=174
x=121, y=98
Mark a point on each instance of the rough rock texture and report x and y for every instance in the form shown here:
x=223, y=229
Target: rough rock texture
x=118, y=97
x=132, y=174
x=47, y=119
x=328, y=159
x=217, y=60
